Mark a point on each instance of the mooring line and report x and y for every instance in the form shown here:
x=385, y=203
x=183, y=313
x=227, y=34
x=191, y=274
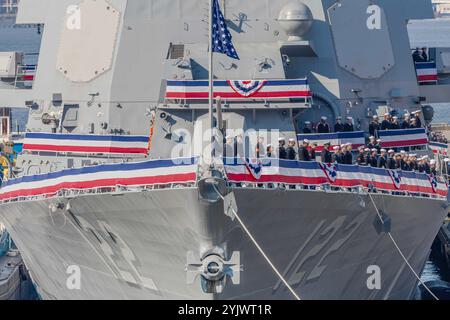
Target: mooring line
x=400, y=251
x=259, y=248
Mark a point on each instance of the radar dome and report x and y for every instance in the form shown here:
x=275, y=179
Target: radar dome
x=296, y=20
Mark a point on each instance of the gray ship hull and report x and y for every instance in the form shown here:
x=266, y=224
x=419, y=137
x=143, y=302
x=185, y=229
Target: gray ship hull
x=134, y=245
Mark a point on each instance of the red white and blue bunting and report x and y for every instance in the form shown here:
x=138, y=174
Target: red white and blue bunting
x=426, y=73
x=154, y=172
x=315, y=173
x=246, y=88
x=439, y=148
x=176, y=171
x=78, y=143
x=238, y=89
x=403, y=138
x=330, y=170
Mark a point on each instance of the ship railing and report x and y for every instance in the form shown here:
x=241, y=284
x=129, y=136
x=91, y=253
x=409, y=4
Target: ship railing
x=304, y=102
x=114, y=190
x=122, y=190
x=404, y=139
x=272, y=173
x=330, y=189
x=179, y=93
x=25, y=75
x=123, y=157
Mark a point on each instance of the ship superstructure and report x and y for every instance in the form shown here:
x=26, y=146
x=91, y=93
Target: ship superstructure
x=113, y=185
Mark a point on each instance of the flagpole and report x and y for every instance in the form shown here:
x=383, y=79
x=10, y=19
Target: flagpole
x=211, y=78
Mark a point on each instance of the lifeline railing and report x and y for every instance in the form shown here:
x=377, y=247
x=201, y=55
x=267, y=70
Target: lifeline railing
x=297, y=175
x=330, y=189
x=103, y=179
x=113, y=190
x=289, y=176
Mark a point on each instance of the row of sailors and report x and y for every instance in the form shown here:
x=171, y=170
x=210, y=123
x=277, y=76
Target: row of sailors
x=324, y=127
x=389, y=159
x=306, y=152
x=420, y=55
x=375, y=157
x=409, y=121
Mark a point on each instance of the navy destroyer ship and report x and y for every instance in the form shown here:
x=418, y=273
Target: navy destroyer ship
x=114, y=196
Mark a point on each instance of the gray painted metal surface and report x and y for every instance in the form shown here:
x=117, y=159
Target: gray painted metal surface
x=134, y=246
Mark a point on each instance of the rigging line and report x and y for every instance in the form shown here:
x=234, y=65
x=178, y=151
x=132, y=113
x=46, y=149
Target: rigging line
x=259, y=248
x=400, y=251
x=53, y=221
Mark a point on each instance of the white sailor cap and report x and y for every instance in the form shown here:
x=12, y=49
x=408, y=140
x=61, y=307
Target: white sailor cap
x=383, y=150
x=374, y=150
x=281, y=139
x=291, y=140
x=378, y=140
x=391, y=151
x=343, y=145
x=269, y=146
x=416, y=112
x=395, y=118
x=307, y=122
x=371, y=137
x=305, y=141
x=433, y=161
x=324, y=118
x=426, y=157
x=387, y=114
x=229, y=137
x=349, y=118
x=339, y=118
x=336, y=148
x=402, y=151
x=446, y=160
x=375, y=117
x=366, y=149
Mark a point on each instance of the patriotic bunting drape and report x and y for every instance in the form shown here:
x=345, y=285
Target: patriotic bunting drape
x=315, y=173
x=111, y=175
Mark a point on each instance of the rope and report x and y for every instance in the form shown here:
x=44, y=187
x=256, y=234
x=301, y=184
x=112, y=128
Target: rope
x=400, y=251
x=259, y=248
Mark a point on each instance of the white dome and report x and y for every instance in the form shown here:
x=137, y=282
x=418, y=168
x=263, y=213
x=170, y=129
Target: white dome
x=296, y=19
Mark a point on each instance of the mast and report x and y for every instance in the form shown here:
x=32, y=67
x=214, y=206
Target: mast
x=211, y=77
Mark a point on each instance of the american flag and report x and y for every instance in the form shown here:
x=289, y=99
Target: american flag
x=221, y=37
